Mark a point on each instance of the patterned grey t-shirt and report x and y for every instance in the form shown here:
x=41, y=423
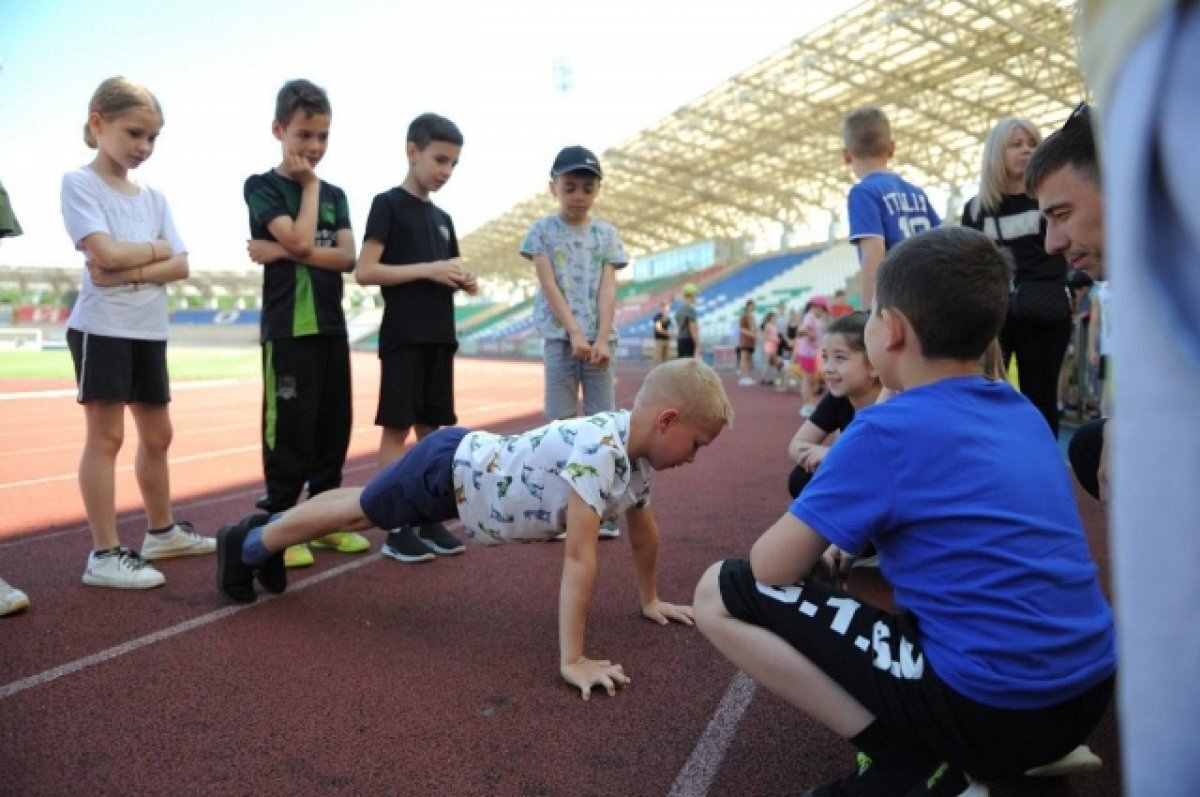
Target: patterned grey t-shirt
x=516, y=487
x=578, y=256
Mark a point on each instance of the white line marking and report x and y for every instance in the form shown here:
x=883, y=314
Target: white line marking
x=70, y=668
x=64, y=393
x=701, y=767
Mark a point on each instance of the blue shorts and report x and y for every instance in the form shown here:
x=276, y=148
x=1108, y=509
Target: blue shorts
x=418, y=488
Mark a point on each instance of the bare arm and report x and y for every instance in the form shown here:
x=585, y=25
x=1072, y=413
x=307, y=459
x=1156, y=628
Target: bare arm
x=606, y=306
x=158, y=273
x=643, y=539
x=296, y=235
x=369, y=271
x=111, y=255
x=786, y=552
x=339, y=257
x=575, y=596
x=870, y=255
x=581, y=349
x=806, y=437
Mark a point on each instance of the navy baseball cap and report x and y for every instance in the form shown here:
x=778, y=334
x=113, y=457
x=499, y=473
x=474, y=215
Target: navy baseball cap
x=576, y=159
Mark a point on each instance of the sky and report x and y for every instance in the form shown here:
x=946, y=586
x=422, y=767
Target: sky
x=491, y=66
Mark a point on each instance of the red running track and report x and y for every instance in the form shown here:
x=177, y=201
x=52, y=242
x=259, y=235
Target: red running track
x=373, y=677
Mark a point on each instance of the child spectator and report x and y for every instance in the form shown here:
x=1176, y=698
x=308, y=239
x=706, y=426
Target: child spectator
x=11, y=599
x=117, y=332
x=808, y=350
x=852, y=384
x=768, y=334
x=687, y=342
x=884, y=208
x=1002, y=656
x=662, y=332
x=300, y=234
x=747, y=340
x=411, y=252
x=569, y=475
x=576, y=258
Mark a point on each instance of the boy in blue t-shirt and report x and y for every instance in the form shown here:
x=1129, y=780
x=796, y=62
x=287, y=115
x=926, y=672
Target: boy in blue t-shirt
x=884, y=208
x=1002, y=656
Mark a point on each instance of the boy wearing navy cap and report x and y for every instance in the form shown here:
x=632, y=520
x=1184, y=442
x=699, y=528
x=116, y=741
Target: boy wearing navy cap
x=576, y=258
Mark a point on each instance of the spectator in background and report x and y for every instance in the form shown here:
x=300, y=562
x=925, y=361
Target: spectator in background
x=840, y=306
x=687, y=340
x=662, y=332
x=747, y=339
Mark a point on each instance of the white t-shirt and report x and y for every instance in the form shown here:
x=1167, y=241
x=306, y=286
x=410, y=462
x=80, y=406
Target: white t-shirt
x=1103, y=299
x=516, y=487
x=90, y=205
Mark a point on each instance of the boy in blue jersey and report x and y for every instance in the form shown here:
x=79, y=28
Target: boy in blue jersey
x=884, y=208
x=1001, y=657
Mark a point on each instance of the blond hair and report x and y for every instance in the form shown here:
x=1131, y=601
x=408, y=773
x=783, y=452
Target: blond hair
x=991, y=364
x=688, y=385
x=115, y=97
x=866, y=133
x=993, y=176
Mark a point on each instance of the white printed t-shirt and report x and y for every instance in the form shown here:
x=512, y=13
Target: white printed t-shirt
x=90, y=205
x=516, y=487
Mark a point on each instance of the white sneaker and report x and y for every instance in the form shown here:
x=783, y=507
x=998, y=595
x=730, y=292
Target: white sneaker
x=745, y=380
x=1081, y=759
x=179, y=541
x=610, y=531
x=120, y=568
x=11, y=599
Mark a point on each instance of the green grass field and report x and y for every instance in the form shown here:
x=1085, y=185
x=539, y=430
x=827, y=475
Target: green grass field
x=185, y=365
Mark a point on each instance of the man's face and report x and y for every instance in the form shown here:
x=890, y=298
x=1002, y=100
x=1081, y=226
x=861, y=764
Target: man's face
x=1074, y=213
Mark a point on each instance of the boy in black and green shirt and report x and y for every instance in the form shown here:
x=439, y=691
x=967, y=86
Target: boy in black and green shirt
x=300, y=234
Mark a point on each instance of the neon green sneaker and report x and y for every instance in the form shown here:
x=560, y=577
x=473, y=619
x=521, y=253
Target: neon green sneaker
x=344, y=541
x=298, y=556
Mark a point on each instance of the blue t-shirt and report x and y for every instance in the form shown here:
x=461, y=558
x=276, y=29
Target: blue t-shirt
x=885, y=205
x=968, y=501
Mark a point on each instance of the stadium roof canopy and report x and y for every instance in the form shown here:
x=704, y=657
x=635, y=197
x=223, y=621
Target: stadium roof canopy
x=763, y=149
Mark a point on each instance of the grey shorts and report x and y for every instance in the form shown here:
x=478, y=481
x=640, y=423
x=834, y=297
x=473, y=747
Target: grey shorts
x=565, y=376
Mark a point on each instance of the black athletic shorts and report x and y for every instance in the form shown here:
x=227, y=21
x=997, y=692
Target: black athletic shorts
x=416, y=386
x=119, y=369
x=876, y=656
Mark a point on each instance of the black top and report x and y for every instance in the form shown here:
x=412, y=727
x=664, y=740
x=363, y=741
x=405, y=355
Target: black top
x=1022, y=231
x=665, y=320
x=298, y=300
x=832, y=413
x=413, y=231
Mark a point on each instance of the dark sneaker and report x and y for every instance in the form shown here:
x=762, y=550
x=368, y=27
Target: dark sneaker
x=947, y=781
x=404, y=545
x=269, y=505
x=439, y=540
x=870, y=781
x=272, y=574
x=235, y=578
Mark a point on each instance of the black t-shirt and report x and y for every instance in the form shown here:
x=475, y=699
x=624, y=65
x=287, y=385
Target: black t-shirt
x=298, y=300
x=1022, y=231
x=832, y=413
x=413, y=231
x=665, y=320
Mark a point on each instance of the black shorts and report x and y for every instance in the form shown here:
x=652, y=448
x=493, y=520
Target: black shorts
x=119, y=369
x=686, y=347
x=416, y=386
x=876, y=656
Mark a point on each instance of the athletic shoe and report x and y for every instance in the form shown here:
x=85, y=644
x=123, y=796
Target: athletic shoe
x=746, y=380
x=272, y=574
x=344, y=542
x=404, y=545
x=610, y=530
x=120, y=568
x=235, y=578
x=270, y=506
x=12, y=600
x=439, y=540
x=181, y=540
x=870, y=781
x=1081, y=759
x=298, y=556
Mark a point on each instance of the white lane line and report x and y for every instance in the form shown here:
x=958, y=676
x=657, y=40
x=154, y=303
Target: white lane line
x=64, y=392
x=70, y=668
x=702, y=765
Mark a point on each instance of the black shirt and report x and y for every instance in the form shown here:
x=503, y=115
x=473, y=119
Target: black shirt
x=832, y=413
x=1022, y=231
x=413, y=231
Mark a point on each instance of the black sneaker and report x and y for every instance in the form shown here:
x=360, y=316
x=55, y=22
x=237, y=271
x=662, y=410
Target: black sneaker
x=235, y=578
x=947, y=781
x=439, y=540
x=269, y=505
x=271, y=574
x=404, y=545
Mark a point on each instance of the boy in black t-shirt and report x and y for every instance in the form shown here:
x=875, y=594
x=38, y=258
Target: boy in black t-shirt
x=411, y=252
x=300, y=234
